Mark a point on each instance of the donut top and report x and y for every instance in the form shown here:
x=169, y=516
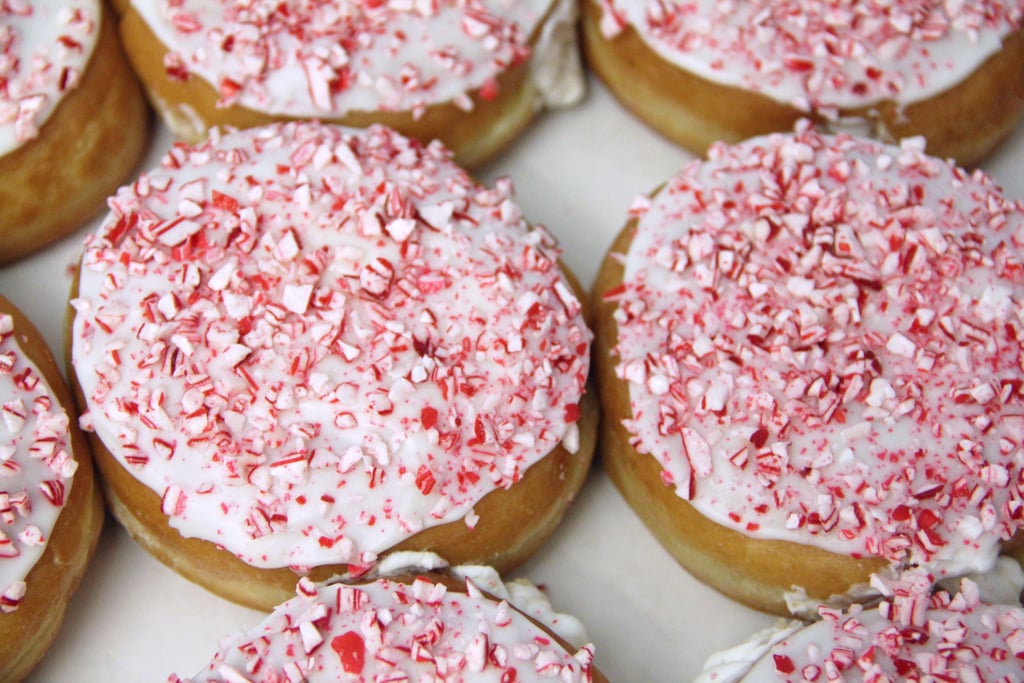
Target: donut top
x=313, y=342
x=823, y=54
x=44, y=47
x=910, y=636
x=327, y=58
x=821, y=338
x=391, y=631
x=36, y=467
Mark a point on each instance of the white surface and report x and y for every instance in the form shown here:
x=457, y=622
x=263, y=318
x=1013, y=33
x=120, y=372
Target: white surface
x=576, y=171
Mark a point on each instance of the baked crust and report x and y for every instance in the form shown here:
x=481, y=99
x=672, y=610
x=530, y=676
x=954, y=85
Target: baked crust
x=513, y=523
x=89, y=146
x=26, y=633
x=965, y=123
x=189, y=106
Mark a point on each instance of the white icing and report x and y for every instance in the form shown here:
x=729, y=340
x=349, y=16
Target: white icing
x=823, y=55
x=808, y=394
x=382, y=630
x=36, y=468
x=358, y=343
x=44, y=48
x=330, y=58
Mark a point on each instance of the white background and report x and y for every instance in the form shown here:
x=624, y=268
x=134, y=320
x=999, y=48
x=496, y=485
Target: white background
x=576, y=171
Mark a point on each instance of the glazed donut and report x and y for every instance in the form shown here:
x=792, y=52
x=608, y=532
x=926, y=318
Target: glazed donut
x=51, y=510
x=912, y=635
x=73, y=122
x=808, y=352
x=705, y=71
x=300, y=346
x=472, y=74
x=440, y=626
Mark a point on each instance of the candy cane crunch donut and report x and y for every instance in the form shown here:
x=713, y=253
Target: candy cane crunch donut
x=705, y=71
x=471, y=74
x=459, y=624
x=307, y=345
x=809, y=355
x=51, y=511
x=72, y=119
x=912, y=635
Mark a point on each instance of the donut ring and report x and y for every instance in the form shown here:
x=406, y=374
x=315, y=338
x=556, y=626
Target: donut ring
x=782, y=342
x=472, y=75
x=678, y=68
x=60, y=162
x=51, y=511
x=392, y=360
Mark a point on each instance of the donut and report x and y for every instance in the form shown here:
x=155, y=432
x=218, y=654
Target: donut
x=912, y=635
x=51, y=511
x=300, y=346
x=701, y=72
x=73, y=121
x=808, y=355
x=472, y=74
x=437, y=626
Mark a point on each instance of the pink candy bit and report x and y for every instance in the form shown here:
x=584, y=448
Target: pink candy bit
x=319, y=336
x=840, y=360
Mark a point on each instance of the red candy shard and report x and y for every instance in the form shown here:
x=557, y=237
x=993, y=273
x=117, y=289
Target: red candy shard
x=351, y=650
